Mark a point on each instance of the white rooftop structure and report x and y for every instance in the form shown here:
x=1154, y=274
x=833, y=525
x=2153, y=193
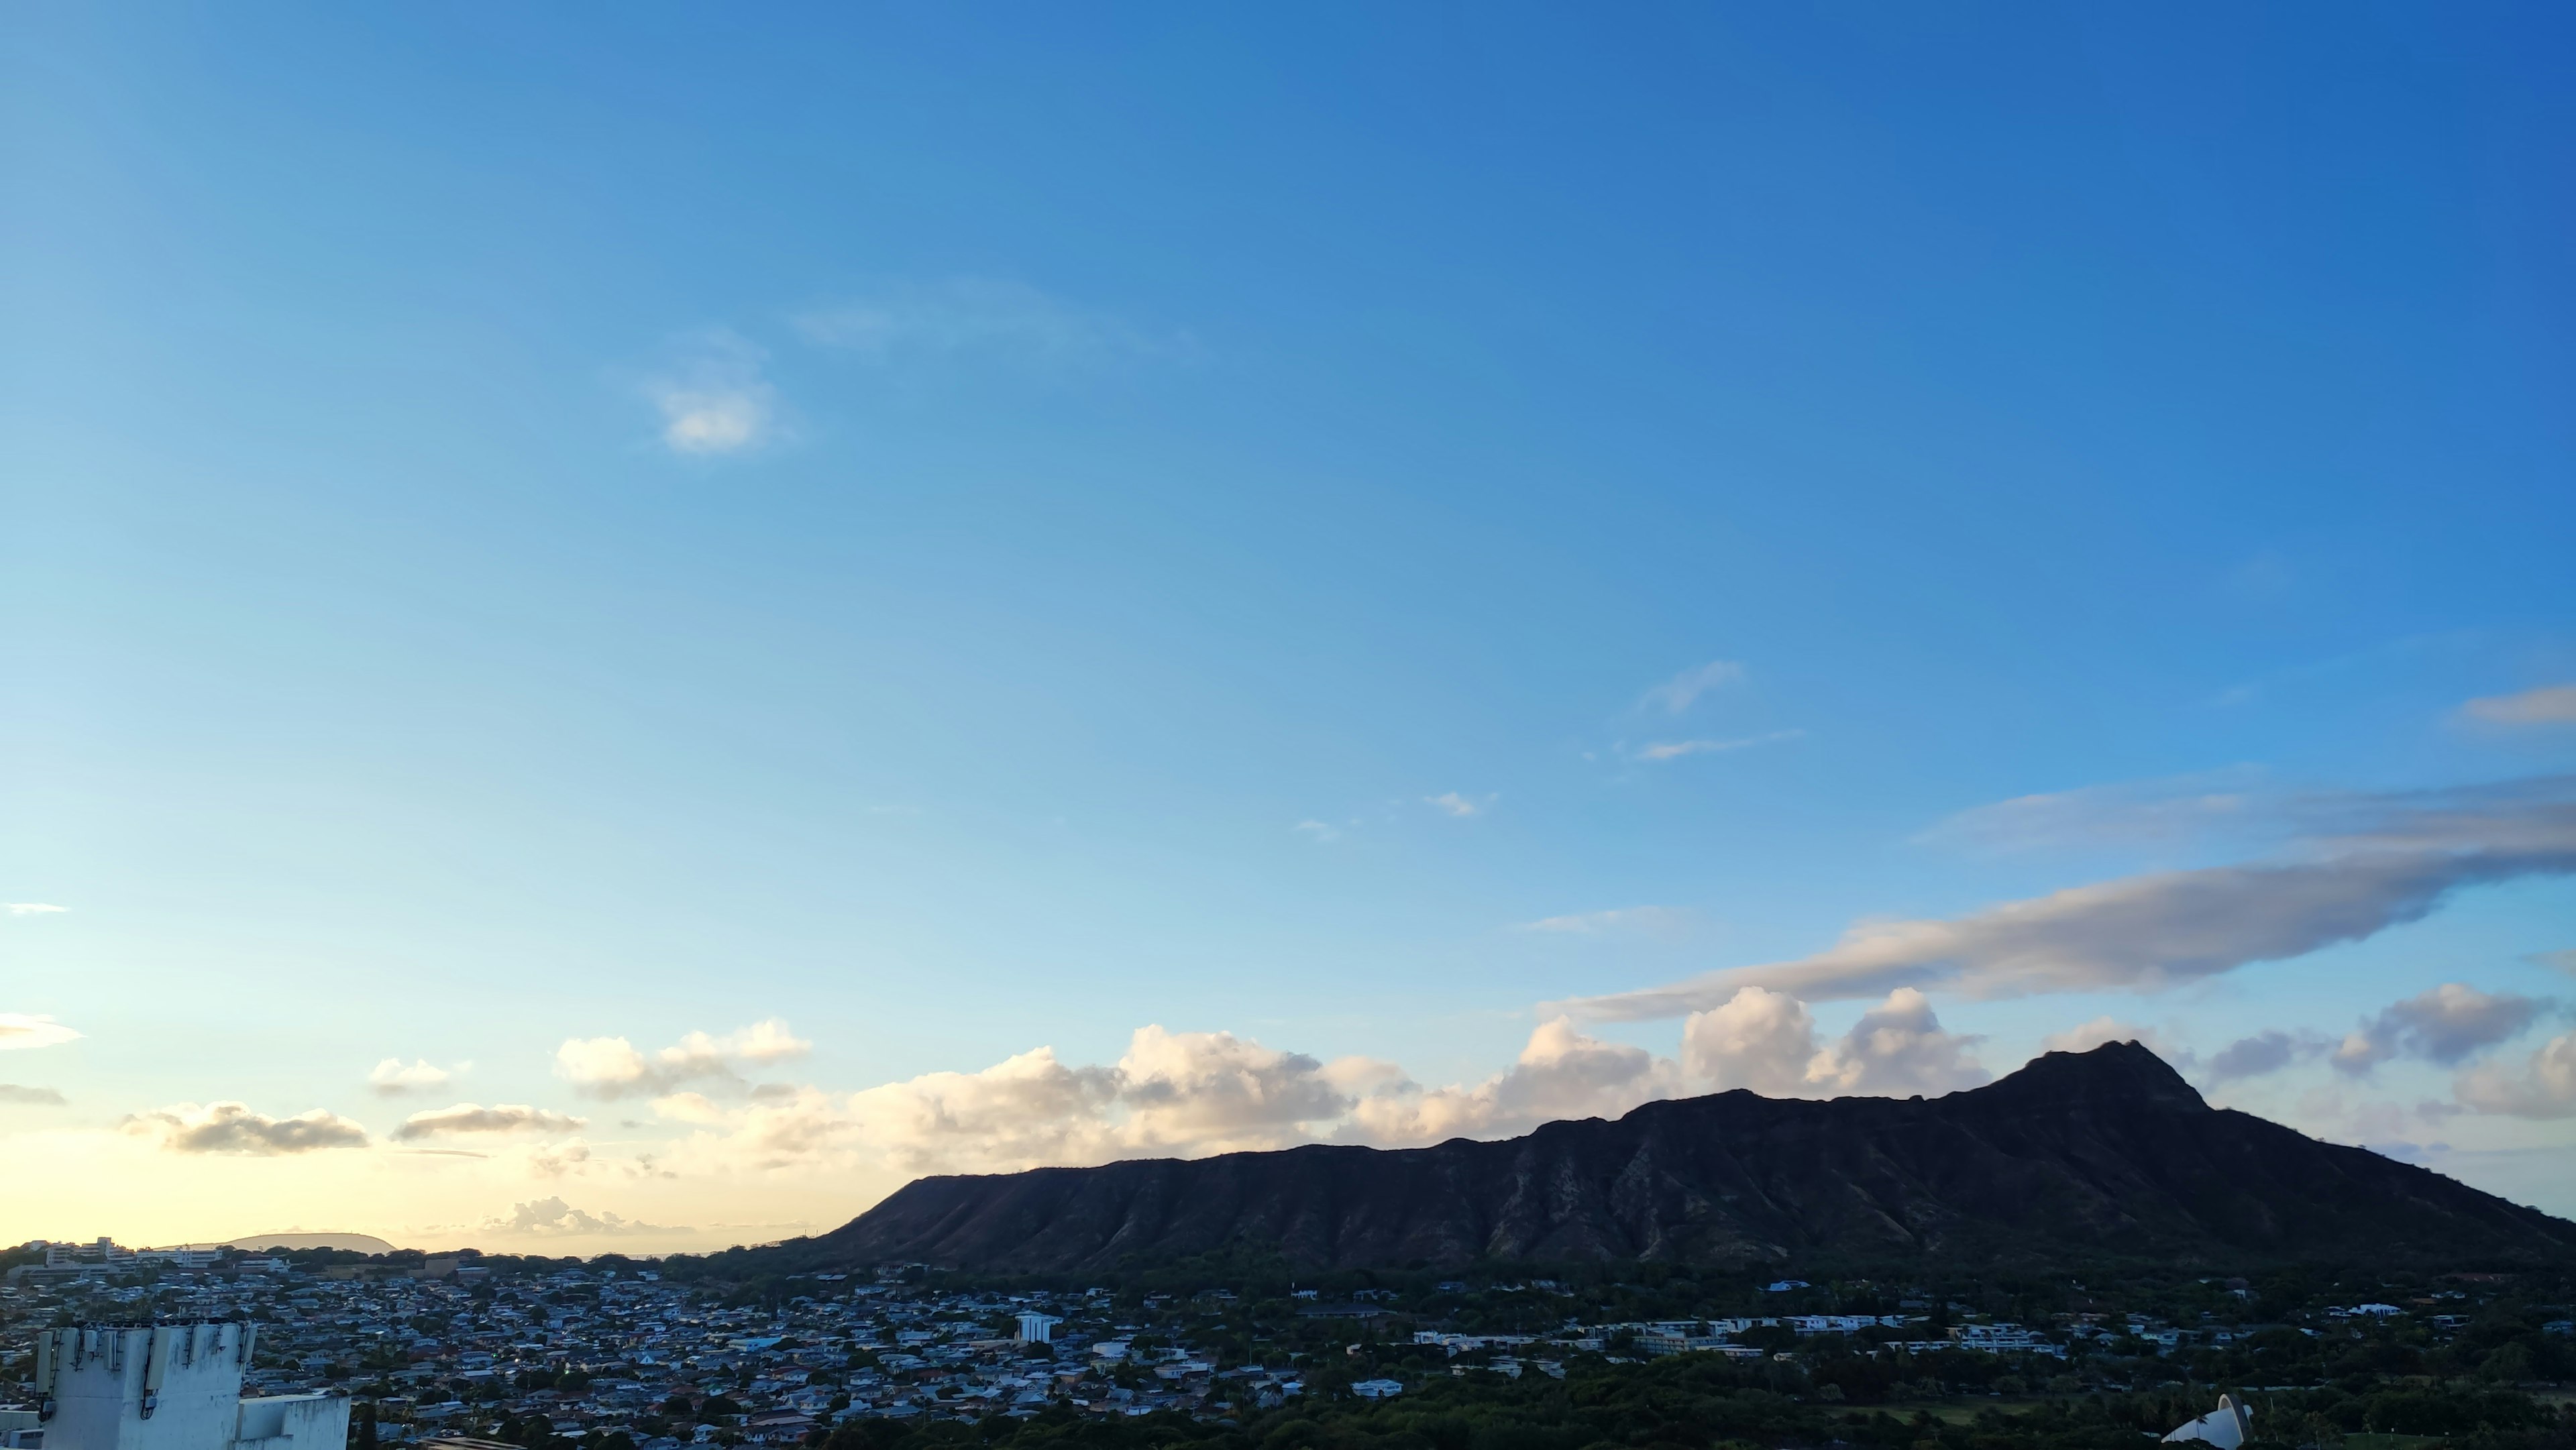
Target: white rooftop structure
x=2226, y=1427
x=170, y=1387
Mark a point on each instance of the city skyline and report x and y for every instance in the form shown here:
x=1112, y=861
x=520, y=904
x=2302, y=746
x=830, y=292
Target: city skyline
x=626, y=636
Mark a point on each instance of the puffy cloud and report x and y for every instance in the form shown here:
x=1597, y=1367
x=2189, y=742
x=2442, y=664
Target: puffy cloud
x=2085, y=1036
x=232, y=1128
x=1767, y=1041
x=968, y=318
x=1758, y=1039
x=1675, y=695
x=2548, y=705
x=1560, y=1074
x=2445, y=1025
x=2264, y=1052
x=613, y=1067
x=552, y=1218
x=475, y=1118
x=715, y=401
x=1663, y=750
x=2544, y=1086
x=17, y=1029
x=38, y=1097
x=32, y=908
x=2366, y=863
x=1214, y=1090
x=1898, y=1046
x=392, y=1079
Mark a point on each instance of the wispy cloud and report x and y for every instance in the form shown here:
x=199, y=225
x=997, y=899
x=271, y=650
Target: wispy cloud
x=2366, y=863
x=1656, y=920
x=714, y=399
x=1317, y=831
x=983, y=317
x=35, y=1097
x=2549, y=705
x=1664, y=750
x=475, y=1118
x=1676, y=695
x=232, y=1128
x=2153, y=812
x=1452, y=803
x=18, y=1029
x=32, y=908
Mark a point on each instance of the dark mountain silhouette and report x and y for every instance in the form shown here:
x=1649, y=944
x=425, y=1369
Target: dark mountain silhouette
x=2077, y=1157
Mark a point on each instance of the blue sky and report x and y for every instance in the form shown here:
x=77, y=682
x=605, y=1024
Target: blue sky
x=1344, y=538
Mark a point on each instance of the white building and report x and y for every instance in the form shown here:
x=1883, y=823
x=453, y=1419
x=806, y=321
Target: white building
x=170, y=1387
x=1036, y=1328
x=2226, y=1427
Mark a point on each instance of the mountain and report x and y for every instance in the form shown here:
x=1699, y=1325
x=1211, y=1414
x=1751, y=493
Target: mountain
x=2078, y=1156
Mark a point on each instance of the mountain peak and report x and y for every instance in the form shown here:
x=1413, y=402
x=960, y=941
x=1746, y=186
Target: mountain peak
x=2123, y=1073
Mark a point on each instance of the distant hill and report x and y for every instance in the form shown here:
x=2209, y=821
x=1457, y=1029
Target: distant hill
x=2077, y=1157
x=356, y=1243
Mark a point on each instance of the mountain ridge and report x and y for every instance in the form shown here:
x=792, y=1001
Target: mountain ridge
x=2077, y=1155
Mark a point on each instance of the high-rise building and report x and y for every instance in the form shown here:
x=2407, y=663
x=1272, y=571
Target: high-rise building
x=170, y=1387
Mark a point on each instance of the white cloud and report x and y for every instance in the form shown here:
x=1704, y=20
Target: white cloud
x=2085, y=1036
x=1767, y=1041
x=232, y=1128
x=715, y=400
x=31, y=908
x=980, y=317
x=2549, y=705
x=2543, y=1087
x=18, y=1030
x=2364, y=864
x=1757, y=1039
x=475, y=1118
x=1663, y=750
x=1657, y=920
x=391, y=1079
x=1455, y=804
x=35, y=1097
x=1898, y=1046
x=552, y=1218
x=1560, y=1074
x=613, y=1067
x=2445, y=1025
x=1675, y=695
x=1316, y=831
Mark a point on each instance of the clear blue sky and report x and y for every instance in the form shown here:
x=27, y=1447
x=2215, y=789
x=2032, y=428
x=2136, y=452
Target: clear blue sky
x=962, y=530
